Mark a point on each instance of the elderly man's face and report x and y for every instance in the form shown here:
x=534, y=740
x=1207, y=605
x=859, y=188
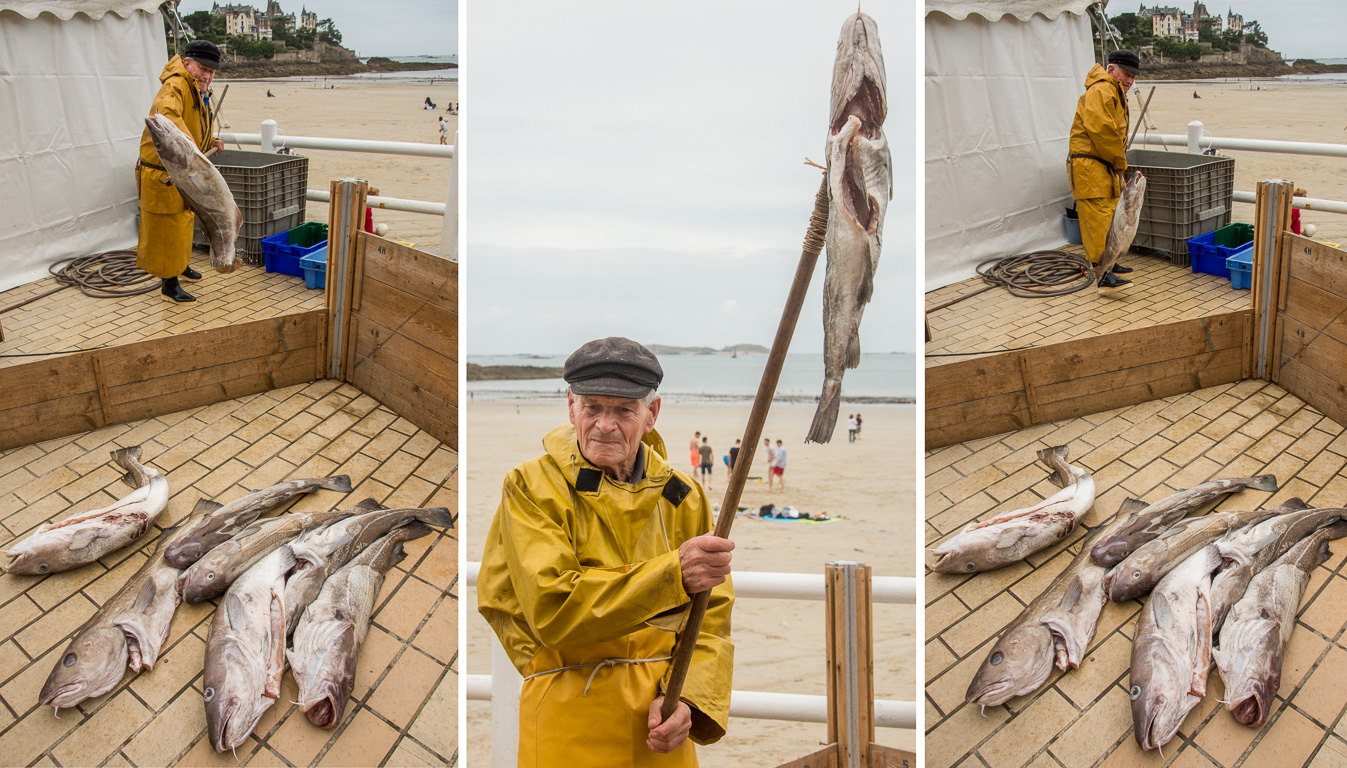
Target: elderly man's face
x=1121, y=75
x=609, y=429
x=202, y=73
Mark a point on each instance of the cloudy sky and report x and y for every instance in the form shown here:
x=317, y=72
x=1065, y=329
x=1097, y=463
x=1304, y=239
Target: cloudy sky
x=638, y=169
x=412, y=28
x=1308, y=29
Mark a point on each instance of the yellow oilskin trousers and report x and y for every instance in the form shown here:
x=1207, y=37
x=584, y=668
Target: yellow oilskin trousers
x=579, y=568
x=560, y=710
x=1096, y=214
x=165, y=243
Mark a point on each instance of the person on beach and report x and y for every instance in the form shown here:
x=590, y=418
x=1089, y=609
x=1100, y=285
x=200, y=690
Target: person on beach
x=429, y=104
x=588, y=569
x=779, y=469
x=444, y=130
x=695, y=453
x=708, y=463
x=771, y=462
x=164, y=247
x=851, y=428
x=734, y=454
x=1098, y=155
x=858, y=426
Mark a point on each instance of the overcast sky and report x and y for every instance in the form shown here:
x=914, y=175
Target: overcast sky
x=638, y=169
x=1307, y=29
x=410, y=28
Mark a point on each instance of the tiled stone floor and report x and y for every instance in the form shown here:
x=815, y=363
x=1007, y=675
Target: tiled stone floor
x=404, y=709
x=1083, y=717
x=996, y=320
x=69, y=320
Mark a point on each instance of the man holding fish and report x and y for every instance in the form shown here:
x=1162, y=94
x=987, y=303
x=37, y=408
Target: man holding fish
x=1098, y=156
x=589, y=567
x=165, y=244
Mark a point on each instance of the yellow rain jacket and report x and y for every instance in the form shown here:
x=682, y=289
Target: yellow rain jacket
x=581, y=582
x=165, y=222
x=1097, y=156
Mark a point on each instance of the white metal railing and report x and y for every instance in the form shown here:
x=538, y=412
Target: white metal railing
x=1196, y=142
x=269, y=140
x=501, y=687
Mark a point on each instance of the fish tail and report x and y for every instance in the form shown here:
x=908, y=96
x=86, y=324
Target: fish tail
x=1262, y=483
x=1055, y=459
x=825, y=417
x=436, y=516
x=336, y=483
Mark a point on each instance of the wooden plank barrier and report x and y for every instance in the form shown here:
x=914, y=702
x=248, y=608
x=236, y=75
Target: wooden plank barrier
x=1012, y=390
x=66, y=395
x=404, y=333
x=1311, y=350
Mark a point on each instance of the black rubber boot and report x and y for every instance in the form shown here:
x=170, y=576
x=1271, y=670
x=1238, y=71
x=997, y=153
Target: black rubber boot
x=1118, y=269
x=192, y=274
x=1113, y=282
x=171, y=289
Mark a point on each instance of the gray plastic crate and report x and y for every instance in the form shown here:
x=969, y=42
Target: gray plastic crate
x=1186, y=196
x=269, y=189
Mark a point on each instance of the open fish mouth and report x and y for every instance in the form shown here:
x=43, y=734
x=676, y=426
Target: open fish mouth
x=1251, y=709
x=989, y=693
x=220, y=733
x=326, y=711
x=868, y=106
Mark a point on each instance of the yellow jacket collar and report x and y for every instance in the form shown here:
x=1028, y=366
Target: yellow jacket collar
x=563, y=448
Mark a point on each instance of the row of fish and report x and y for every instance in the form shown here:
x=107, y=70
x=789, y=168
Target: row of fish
x=313, y=576
x=1224, y=588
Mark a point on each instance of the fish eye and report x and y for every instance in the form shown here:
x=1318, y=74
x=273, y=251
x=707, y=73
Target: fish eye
x=210, y=576
x=210, y=694
x=997, y=658
x=1135, y=692
x=969, y=567
x=69, y=659
x=1136, y=575
x=43, y=568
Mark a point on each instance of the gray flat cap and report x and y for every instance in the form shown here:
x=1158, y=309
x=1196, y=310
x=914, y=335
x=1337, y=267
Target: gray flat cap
x=613, y=367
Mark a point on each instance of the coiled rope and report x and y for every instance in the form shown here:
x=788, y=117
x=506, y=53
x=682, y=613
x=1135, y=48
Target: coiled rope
x=1039, y=274
x=107, y=275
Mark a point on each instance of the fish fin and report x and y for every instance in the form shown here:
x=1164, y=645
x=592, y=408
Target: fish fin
x=1173, y=530
x=368, y=505
x=1046, y=455
x=825, y=416
x=854, y=351
x=340, y=483
x=205, y=507
x=1262, y=483
x=288, y=559
x=1074, y=590
x=84, y=538
x=276, y=662
x=145, y=597
x=234, y=612
x=1130, y=507
x=1010, y=537
x=1295, y=504
x=130, y=480
x=439, y=517
x=1202, y=658
x=866, y=289
x=1160, y=607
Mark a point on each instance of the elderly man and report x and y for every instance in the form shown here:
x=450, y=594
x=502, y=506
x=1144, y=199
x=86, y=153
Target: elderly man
x=165, y=245
x=587, y=574
x=1098, y=154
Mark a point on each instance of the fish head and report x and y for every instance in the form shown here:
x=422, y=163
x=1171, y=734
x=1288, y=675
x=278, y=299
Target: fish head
x=1257, y=678
x=1019, y=663
x=1134, y=576
x=90, y=666
x=175, y=148
x=330, y=675
x=965, y=553
x=1159, y=682
x=207, y=577
x=859, y=82
x=25, y=560
x=233, y=682
x=1111, y=551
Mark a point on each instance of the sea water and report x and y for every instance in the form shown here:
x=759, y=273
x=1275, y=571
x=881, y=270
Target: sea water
x=880, y=377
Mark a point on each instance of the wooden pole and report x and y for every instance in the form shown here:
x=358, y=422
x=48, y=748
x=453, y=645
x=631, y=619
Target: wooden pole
x=813, y=244
x=1141, y=119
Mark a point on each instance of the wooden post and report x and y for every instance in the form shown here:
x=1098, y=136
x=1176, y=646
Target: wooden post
x=851, y=699
x=1272, y=213
x=346, y=214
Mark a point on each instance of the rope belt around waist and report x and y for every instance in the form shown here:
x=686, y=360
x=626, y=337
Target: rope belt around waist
x=166, y=182
x=1083, y=156
x=597, y=665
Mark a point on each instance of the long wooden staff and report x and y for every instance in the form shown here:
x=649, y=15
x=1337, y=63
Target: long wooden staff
x=813, y=244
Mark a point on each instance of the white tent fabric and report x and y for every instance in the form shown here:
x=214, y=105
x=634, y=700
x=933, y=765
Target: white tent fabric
x=74, y=92
x=994, y=10
x=1000, y=96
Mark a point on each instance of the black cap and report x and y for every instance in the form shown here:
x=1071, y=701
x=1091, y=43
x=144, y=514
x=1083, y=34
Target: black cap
x=204, y=51
x=1127, y=60
x=613, y=367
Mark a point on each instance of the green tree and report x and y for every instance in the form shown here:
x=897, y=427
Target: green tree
x=1255, y=34
x=1125, y=23
x=328, y=32
x=199, y=22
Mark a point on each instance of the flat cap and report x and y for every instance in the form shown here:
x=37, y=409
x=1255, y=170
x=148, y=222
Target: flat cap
x=204, y=51
x=613, y=367
x=1127, y=60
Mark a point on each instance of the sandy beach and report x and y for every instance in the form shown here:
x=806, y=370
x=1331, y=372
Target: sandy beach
x=1283, y=110
x=779, y=645
x=357, y=108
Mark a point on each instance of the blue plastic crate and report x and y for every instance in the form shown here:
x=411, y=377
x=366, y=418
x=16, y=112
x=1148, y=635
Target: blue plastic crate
x=1241, y=268
x=315, y=268
x=1209, y=252
x=282, y=252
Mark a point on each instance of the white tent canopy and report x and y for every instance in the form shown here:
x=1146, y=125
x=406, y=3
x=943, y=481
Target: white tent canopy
x=76, y=81
x=1002, y=79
